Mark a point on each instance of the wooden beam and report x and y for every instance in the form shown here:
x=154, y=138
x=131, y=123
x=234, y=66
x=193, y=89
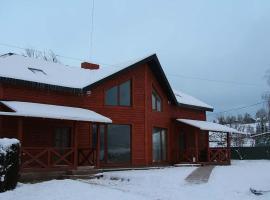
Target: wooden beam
x=20, y=130
x=197, y=145
x=75, y=144
x=208, y=149
x=229, y=147
x=98, y=146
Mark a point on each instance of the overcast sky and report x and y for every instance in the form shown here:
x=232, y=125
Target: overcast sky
x=196, y=41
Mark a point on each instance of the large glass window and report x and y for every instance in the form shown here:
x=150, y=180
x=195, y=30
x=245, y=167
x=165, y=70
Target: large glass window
x=156, y=101
x=118, y=143
x=111, y=96
x=159, y=140
x=119, y=95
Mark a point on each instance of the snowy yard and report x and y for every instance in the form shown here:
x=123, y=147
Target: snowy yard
x=226, y=182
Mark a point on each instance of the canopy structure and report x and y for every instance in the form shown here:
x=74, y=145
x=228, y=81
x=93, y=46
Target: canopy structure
x=208, y=126
x=27, y=109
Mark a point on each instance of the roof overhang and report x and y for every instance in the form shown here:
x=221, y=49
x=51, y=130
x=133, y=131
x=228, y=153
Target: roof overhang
x=196, y=107
x=38, y=110
x=208, y=126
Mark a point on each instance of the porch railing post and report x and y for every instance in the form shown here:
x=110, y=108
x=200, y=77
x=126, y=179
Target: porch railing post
x=98, y=146
x=196, y=146
x=229, y=147
x=75, y=147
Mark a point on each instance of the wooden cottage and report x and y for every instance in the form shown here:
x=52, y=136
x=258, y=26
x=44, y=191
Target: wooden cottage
x=129, y=116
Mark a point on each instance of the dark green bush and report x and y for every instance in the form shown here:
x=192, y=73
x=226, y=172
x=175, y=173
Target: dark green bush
x=9, y=163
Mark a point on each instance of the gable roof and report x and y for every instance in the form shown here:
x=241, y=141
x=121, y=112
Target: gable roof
x=45, y=74
x=154, y=65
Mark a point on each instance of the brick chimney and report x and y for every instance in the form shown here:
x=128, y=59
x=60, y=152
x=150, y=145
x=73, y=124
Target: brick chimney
x=91, y=66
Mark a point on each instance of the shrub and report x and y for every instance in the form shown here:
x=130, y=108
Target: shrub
x=9, y=163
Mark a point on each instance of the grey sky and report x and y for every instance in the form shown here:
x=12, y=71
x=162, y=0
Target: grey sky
x=220, y=40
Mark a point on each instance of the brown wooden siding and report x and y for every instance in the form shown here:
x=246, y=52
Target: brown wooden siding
x=139, y=115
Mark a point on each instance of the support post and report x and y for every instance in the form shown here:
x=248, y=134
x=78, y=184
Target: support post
x=20, y=130
x=75, y=144
x=197, y=145
x=208, y=148
x=98, y=146
x=229, y=147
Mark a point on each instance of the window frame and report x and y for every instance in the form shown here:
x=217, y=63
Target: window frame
x=118, y=96
x=156, y=95
x=105, y=161
x=161, y=145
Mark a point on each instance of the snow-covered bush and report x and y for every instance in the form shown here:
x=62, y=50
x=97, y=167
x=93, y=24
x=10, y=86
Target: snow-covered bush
x=9, y=163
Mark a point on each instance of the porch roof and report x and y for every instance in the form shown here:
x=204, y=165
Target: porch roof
x=208, y=126
x=27, y=109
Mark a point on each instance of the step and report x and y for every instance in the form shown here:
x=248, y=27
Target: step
x=39, y=176
x=187, y=165
x=83, y=171
x=89, y=176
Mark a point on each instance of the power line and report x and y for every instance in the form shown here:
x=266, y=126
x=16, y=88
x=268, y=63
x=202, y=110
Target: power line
x=116, y=66
x=58, y=55
x=239, y=108
x=215, y=80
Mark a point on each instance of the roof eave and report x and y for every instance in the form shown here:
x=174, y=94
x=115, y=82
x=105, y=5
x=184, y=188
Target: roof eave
x=196, y=107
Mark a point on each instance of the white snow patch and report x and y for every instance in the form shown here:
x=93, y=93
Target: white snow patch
x=226, y=182
x=5, y=144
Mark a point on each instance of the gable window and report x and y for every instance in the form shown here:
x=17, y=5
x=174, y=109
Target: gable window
x=119, y=95
x=159, y=143
x=156, y=101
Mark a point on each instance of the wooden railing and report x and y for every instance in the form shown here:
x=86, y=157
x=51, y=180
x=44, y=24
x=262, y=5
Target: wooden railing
x=219, y=155
x=47, y=157
x=87, y=157
x=190, y=154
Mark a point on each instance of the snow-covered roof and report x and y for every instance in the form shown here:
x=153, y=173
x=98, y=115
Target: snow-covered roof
x=27, y=109
x=41, y=71
x=186, y=99
x=208, y=126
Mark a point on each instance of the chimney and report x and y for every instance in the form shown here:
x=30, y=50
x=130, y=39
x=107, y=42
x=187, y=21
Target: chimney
x=91, y=66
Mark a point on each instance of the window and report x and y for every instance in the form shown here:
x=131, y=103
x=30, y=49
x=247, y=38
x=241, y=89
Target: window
x=156, y=101
x=94, y=135
x=118, y=143
x=159, y=141
x=62, y=137
x=119, y=95
x=102, y=139
x=37, y=71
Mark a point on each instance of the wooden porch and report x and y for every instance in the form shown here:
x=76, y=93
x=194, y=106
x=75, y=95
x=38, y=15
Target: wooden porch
x=194, y=146
x=51, y=145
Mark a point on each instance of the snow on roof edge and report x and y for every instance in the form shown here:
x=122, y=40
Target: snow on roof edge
x=209, y=126
x=28, y=109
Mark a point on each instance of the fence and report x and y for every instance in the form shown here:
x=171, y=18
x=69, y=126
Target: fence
x=250, y=153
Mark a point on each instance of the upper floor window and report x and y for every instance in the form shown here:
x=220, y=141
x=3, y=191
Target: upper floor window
x=119, y=95
x=156, y=101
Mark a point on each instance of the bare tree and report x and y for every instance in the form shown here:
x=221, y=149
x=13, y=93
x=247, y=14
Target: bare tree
x=45, y=55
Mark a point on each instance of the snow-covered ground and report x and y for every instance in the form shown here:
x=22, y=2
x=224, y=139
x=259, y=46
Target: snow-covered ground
x=226, y=182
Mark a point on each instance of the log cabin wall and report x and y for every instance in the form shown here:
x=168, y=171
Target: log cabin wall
x=133, y=115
